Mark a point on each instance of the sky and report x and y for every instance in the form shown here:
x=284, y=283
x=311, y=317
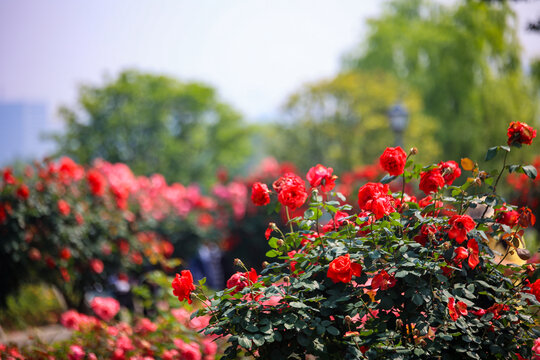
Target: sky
x=254, y=52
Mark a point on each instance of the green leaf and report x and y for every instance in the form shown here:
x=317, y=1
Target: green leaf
x=530, y=171
x=244, y=342
x=332, y=330
x=387, y=178
x=272, y=253
x=417, y=299
x=491, y=153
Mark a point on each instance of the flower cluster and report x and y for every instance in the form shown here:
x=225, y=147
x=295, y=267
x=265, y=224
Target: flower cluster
x=400, y=278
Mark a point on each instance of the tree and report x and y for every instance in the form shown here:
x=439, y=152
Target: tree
x=463, y=60
x=155, y=124
x=342, y=122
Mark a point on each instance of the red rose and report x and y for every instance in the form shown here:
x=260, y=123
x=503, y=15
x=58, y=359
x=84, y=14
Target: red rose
x=65, y=254
x=450, y=171
x=183, y=286
x=424, y=234
x=341, y=269
x=383, y=281
x=460, y=226
x=374, y=197
x=393, y=160
x=520, y=133
x=259, y=194
x=456, y=309
x=63, y=207
x=292, y=196
x=320, y=175
x=96, y=265
x=472, y=247
x=242, y=279
x=534, y=289
x=508, y=217
x=431, y=181
x=287, y=179
x=96, y=181
x=23, y=192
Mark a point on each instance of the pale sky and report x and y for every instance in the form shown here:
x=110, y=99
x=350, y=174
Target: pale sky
x=254, y=52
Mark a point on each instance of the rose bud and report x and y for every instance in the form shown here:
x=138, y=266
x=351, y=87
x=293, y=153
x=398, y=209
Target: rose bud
x=348, y=320
x=286, y=279
x=265, y=264
x=413, y=151
x=280, y=243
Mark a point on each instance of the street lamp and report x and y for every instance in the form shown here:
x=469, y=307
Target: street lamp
x=399, y=117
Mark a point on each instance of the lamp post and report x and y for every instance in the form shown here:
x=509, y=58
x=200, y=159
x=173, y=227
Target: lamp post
x=399, y=118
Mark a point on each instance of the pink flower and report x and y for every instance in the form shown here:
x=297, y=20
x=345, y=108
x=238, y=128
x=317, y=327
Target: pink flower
x=105, y=308
x=76, y=352
x=70, y=319
x=181, y=315
x=209, y=346
x=145, y=326
x=189, y=351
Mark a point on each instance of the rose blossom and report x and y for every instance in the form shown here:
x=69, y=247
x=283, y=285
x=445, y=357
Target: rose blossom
x=431, y=181
x=292, y=196
x=183, y=286
x=96, y=182
x=520, y=133
x=76, y=352
x=321, y=176
x=383, y=281
x=456, y=309
x=105, y=308
x=341, y=269
x=450, y=171
x=393, y=160
x=461, y=225
x=96, y=265
x=63, y=207
x=374, y=197
x=259, y=194
x=240, y=280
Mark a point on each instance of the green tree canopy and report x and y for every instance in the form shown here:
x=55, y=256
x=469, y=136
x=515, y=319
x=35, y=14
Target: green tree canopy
x=156, y=124
x=342, y=122
x=462, y=59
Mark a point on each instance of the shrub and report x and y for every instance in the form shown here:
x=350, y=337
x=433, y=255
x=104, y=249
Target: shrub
x=397, y=279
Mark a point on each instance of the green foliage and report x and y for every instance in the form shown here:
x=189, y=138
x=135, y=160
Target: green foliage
x=155, y=124
x=342, y=122
x=32, y=305
x=464, y=62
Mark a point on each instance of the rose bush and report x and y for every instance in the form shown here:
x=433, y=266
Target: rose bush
x=73, y=226
x=172, y=334
x=399, y=279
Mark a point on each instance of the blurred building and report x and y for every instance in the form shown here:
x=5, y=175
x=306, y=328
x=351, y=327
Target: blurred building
x=22, y=126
